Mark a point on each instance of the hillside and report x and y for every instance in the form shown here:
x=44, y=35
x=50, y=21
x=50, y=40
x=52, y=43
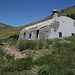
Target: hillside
x=4, y=25
x=44, y=57
x=63, y=12
x=6, y=29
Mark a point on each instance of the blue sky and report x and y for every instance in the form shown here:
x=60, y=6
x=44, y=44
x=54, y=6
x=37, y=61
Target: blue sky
x=21, y=12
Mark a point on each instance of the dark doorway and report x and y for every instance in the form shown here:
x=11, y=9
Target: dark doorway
x=24, y=33
x=29, y=36
x=72, y=34
x=37, y=33
x=60, y=34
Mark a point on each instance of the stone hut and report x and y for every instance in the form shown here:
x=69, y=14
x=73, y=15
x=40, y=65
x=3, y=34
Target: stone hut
x=57, y=27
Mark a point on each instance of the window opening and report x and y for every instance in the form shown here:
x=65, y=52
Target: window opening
x=72, y=34
x=60, y=34
x=24, y=33
x=29, y=36
x=37, y=33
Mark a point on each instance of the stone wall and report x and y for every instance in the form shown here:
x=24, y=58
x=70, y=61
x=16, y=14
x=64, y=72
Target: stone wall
x=43, y=32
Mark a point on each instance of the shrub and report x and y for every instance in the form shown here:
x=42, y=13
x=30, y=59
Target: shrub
x=0, y=41
x=19, y=65
x=12, y=42
x=2, y=63
x=4, y=40
x=44, y=60
x=62, y=11
x=15, y=36
x=21, y=45
x=61, y=45
x=72, y=15
x=70, y=73
x=1, y=53
x=26, y=44
x=34, y=44
x=49, y=42
x=43, y=70
x=60, y=62
x=9, y=57
x=40, y=44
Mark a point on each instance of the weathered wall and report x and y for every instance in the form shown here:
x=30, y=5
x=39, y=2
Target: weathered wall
x=66, y=27
x=45, y=32
x=49, y=29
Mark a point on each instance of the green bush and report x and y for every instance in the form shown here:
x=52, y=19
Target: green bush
x=0, y=41
x=72, y=15
x=4, y=40
x=49, y=42
x=32, y=44
x=70, y=73
x=9, y=58
x=43, y=70
x=21, y=45
x=19, y=65
x=40, y=44
x=2, y=61
x=35, y=45
x=15, y=36
x=10, y=41
x=60, y=62
x=26, y=44
x=1, y=53
x=71, y=38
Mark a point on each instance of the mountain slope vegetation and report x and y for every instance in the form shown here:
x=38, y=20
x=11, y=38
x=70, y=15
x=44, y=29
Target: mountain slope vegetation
x=44, y=57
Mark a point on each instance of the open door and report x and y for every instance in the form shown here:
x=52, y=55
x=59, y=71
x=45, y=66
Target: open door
x=24, y=34
x=30, y=36
x=37, y=33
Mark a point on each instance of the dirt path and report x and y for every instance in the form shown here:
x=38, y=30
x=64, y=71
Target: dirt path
x=12, y=50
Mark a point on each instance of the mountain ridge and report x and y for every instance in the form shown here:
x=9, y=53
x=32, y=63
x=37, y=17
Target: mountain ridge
x=4, y=25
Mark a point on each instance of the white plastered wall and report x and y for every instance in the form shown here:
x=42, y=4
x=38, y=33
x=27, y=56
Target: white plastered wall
x=66, y=27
